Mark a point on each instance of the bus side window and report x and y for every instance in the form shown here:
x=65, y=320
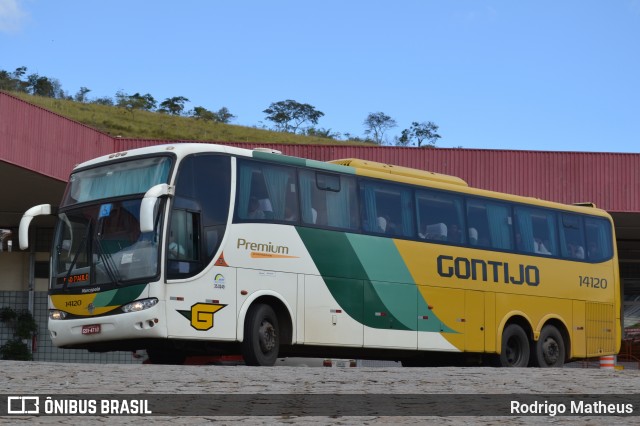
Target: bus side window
x=387, y=209
x=266, y=192
x=599, y=247
x=440, y=217
x=572, y=244
x=328, y=199
x=536, y=231
x=490, y=223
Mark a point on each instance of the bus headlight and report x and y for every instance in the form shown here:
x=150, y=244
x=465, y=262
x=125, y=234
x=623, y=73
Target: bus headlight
x=55, y=314
x=139, y=305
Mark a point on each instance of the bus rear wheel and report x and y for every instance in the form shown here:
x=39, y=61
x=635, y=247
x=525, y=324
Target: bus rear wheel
x=515, y=347
x=550, y=348
x=261, y=336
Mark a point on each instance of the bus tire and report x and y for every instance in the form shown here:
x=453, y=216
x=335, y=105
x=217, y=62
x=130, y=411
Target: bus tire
x=261, y=336
x=550, y=348
x=515, y=350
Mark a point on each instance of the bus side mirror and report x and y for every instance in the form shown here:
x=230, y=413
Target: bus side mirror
x=148, y=205
x=23, y=233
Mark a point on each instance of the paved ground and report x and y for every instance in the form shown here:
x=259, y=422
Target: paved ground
x=20, y=378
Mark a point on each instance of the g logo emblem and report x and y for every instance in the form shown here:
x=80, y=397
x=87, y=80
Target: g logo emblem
x=202, y=315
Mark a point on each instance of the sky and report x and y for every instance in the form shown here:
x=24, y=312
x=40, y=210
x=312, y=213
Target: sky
x=551, y=75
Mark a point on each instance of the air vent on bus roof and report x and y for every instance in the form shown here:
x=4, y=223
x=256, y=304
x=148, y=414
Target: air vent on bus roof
x=400, y=171
x=269, y=150
x=585, y=204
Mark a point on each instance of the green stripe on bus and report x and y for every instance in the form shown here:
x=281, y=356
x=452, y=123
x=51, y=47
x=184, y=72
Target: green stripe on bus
x=301, y=162
x=389, y=280
x=118, y=296
x=343, y=273
x=380, y=258
x=279, y=158
x=388, y=298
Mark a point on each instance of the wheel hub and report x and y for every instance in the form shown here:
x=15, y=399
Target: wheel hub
x=267, y=336
x=513, y=352
x=550, y=351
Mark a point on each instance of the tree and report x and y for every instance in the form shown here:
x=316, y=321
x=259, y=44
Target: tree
x=41, y=86
x=24, y=328
x=13, y=80
x=6, y=81
x=420, y=132
x=135, y=102
x=105, y=100
x=289, y=115
x=321, y=132
x=377, y=124
x=19, y=72
x=201, y=113
x=81, y=96
x=221, y=116
x=173, y=106
x=145, y=102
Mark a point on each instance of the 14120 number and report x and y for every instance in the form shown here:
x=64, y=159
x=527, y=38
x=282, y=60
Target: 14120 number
x=592, y=282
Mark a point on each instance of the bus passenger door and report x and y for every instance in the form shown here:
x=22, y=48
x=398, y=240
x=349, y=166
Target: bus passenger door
x=333, y=311
x=474, y=321
x=203, y=308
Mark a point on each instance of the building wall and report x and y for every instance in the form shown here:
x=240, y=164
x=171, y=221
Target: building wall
x=13, y=271
x=40, y=140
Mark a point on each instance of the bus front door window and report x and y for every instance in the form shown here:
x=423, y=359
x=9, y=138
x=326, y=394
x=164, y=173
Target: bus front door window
x=182, y=248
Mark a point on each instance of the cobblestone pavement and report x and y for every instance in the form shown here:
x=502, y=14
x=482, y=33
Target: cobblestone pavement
x=20, y=378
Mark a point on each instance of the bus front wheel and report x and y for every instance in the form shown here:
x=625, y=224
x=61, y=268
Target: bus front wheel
x=515, y=347
x=261, y=336
x=550, y=349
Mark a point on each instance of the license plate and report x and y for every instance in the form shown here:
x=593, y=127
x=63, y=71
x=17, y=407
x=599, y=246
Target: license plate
x=91, y=329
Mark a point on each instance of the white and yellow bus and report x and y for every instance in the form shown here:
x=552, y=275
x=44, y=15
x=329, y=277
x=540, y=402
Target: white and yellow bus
x=191, y=249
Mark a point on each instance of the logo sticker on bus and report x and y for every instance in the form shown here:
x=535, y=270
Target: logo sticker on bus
x=264, y=250
x=201, y=315
x=219, y=282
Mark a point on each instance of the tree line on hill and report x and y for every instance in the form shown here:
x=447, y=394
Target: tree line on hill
x=287, y=116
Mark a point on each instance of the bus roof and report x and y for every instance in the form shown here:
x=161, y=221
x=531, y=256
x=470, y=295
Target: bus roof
x=350, y=165
x=400, y=171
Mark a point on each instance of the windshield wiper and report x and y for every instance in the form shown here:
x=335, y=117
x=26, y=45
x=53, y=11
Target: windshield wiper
x=107, y=260
x=82, y=244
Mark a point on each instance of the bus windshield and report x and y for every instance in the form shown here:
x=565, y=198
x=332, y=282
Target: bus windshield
x=101, y=244
x=116, y=179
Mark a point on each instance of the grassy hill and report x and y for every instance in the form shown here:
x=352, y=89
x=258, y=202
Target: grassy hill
x=152, y=125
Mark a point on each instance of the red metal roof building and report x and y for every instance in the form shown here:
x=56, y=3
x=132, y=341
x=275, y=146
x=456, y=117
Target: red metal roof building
x=48, y=144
